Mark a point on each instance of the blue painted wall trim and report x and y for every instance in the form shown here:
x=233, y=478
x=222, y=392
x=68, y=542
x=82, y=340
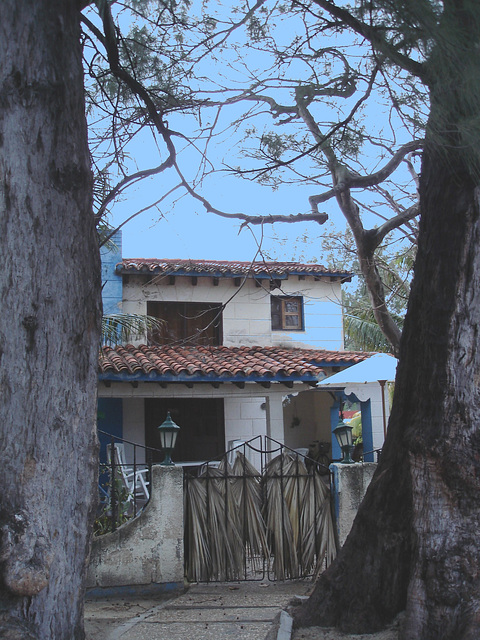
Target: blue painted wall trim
x=334, y=420
x=112, y=293
x=367, y=431
x=110, y=419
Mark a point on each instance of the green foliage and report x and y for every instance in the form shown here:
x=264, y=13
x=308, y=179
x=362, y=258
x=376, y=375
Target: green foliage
x=356, y=424
x=274, y=145
x=104, y=520
x=361, y=330
x=104, y=236
x=362, y=333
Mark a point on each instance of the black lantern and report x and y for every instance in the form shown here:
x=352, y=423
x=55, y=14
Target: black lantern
x=343, y=433
x=168, y=437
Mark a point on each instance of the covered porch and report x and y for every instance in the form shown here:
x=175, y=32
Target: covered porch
x=219, y=395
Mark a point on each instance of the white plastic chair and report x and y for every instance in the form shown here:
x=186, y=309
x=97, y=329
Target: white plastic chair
x=134, y=480
x=233, y=447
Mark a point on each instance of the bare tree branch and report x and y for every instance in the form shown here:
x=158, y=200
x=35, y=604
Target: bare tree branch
x=134, y=215
x=351, y=181
x=395, y=222
x=123, y=184
x=375, y=37
x=110, y=42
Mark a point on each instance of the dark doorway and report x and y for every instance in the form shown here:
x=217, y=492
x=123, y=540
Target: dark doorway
x=201, y=422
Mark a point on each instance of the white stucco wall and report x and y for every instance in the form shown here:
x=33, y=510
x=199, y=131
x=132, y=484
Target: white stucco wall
x=245, y=418
x=307, y=418
x=147, y=550
x=247, y=316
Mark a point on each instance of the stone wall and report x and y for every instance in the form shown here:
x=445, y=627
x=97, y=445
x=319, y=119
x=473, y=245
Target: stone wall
x=147, y=550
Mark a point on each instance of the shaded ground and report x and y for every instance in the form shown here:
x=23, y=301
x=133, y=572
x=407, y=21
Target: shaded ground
x=210, y=612
x=104, y=617
x=319, y=633
x=219, y=611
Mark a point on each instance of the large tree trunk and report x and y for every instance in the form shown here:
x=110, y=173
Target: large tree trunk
x=414, y=545
x=49, y=324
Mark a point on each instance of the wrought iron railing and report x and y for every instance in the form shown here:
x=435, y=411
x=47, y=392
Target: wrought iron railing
x=124, y=482
x=376, y=452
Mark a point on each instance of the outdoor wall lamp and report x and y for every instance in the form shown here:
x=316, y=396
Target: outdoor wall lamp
x=343, y=433
x=168, y=437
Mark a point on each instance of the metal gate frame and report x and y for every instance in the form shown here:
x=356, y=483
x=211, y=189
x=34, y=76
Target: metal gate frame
x=242, y=524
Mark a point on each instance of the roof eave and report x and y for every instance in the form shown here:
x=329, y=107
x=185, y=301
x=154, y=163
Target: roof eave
x=264, y=275
x=195, y=378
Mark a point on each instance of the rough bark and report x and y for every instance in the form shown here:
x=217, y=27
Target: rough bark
x=414, y=545
x=49, y=325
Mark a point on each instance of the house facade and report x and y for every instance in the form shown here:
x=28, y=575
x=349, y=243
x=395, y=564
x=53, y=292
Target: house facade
x=239, y=353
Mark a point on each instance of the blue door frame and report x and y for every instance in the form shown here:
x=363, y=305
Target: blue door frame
x=367, y=432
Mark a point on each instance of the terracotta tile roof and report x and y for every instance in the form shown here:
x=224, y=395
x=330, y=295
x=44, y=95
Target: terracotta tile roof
x=224, y=268
x=184, y=363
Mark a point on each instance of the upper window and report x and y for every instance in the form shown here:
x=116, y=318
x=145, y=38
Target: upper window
x=287, y=313
x=189, y=322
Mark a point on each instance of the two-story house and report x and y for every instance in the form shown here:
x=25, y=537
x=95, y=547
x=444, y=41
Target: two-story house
x=240, y=352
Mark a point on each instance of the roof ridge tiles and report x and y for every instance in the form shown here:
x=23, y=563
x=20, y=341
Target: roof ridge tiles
x=226, y=267
x=220, y=361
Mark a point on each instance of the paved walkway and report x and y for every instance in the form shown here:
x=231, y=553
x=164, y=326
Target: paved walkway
x=243, y=611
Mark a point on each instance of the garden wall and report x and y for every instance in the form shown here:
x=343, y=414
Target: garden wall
x=148, y=550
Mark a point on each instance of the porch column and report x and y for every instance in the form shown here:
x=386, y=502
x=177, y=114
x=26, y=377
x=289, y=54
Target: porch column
x=275, y=428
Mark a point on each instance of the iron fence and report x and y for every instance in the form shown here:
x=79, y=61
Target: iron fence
x=242, y=523
x=124, y=487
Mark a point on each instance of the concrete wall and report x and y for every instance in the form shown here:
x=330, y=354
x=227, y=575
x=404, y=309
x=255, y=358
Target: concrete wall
x=147, y=550
x=247, y=316
x=350, y=482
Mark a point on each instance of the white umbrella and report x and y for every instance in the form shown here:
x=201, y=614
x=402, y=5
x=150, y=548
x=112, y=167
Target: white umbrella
x=380, y=368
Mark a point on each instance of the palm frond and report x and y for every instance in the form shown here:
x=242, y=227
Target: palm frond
x=198, y=559
x=215, y=549
x=238, y=518
x=279, y=525
x=363, y=333
x=105, y=236
x=248, y=496
x=121, y=328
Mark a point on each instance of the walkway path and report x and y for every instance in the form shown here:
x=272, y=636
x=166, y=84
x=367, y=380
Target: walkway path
x=243, y=611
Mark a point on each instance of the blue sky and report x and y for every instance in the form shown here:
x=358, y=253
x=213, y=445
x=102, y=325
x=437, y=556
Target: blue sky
x=180, y=227
x=186, y=230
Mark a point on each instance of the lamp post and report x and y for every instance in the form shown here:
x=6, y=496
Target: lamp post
x=168, y=437
x=343, y=433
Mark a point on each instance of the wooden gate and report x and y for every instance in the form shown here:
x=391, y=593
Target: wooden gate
x=245, y=524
